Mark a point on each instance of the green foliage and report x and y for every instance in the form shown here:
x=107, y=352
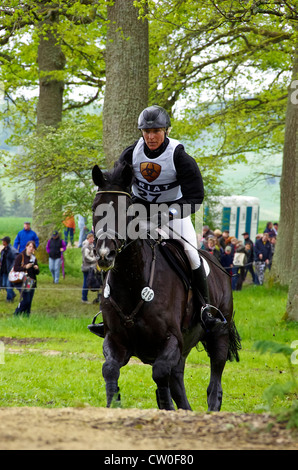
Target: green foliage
x=67, y=161
x=230, y=66
x=282, y=390
x=11, y=226
x=205, y=58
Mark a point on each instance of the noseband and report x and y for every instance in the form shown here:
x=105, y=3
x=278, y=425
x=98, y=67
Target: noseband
x=113, y=234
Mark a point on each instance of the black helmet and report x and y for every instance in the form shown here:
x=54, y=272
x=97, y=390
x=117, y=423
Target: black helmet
x=154, y=117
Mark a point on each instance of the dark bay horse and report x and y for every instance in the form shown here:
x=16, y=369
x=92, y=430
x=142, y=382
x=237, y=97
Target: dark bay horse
x=147, y=308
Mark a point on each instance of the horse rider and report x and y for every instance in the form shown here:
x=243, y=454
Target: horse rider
x=162, y=163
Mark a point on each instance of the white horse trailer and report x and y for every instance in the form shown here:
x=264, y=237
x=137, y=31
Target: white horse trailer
x=238, y=214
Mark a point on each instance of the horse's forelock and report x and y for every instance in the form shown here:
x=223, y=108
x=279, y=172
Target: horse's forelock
x=116, y=176
x=113, y=178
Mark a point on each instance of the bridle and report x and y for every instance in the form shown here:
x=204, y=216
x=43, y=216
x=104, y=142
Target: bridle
x=114, y=235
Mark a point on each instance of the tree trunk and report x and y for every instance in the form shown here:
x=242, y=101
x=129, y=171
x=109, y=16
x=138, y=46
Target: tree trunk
x=127, y=71
x=282, y=268
x=292, y=304
x=49, y=113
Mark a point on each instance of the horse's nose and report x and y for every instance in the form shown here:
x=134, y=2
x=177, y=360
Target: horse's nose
x=105, y=256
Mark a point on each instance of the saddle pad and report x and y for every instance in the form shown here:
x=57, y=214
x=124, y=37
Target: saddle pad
x=206, y=266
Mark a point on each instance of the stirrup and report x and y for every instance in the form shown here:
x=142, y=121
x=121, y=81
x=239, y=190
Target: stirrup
x=97, y=329
x=212, y=319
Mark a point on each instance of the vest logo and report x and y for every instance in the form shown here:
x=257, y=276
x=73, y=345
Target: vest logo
x=150, y=171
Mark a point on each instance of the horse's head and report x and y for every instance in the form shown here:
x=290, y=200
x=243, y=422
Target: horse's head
x=109, y=212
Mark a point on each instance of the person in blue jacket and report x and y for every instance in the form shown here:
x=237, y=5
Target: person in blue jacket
x=24, y=236
x=263, y=255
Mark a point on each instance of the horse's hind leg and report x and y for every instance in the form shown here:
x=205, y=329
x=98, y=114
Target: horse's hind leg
x=161, y=370
x=177, y=385
x=217, y=345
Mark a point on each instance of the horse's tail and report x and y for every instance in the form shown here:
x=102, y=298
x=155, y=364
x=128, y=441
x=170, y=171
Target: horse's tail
x=234, y=341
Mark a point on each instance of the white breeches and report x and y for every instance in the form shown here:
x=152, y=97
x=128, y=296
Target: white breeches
x=184, y=227
x=181, y=228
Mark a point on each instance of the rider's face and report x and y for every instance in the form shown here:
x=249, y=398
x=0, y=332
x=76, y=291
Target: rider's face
x=153, y=137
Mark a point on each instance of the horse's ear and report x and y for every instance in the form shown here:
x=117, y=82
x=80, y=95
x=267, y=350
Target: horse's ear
x=97, y=176
x=127, y=175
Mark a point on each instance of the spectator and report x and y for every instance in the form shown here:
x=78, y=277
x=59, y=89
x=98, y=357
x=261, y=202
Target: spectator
x=83, y=230
x=89, y=261
x=263, y=255
x=226, y=259
x=7, y=258
x=55, y=247
x=223, y=238
x=239, y=263
x=206, y=233
x=212, y=248
x=231, y=241
x=275, y=228
x=217, y=233
x=26, y=261
x=24, y=236
x=70, y=226
x=249, y=249
x=269, y=229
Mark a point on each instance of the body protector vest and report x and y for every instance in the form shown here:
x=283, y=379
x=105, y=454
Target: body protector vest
x=155, y=179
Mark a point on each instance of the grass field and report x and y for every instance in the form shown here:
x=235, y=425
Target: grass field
x=52, y=360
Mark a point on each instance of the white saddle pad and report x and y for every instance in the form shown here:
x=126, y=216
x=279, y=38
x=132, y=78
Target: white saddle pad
x=206, y=266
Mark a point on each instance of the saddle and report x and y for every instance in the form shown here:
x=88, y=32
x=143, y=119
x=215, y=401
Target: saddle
x=174, y=253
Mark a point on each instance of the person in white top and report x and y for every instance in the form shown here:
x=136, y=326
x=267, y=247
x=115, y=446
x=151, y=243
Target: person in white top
x=165, y=174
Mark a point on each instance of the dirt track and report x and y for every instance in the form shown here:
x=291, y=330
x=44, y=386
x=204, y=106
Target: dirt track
x=131, y=429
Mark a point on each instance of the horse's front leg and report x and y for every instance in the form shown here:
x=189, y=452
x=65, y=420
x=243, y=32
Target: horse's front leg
x=111, y=369
x=177, y=385
x=218, y=345
x=161, y=371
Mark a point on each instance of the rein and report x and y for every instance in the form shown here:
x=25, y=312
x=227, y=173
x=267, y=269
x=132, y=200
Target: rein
x=146, y=294
x=113, y=232
x=115, y=192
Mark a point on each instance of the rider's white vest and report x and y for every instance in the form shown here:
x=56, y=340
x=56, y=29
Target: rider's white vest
x=155, y=179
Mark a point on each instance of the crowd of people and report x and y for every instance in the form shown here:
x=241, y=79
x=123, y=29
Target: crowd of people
x=240, y=257
x=20, y=257
x=237, y=257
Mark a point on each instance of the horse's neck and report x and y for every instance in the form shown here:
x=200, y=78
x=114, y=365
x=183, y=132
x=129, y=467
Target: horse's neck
x=134, y=261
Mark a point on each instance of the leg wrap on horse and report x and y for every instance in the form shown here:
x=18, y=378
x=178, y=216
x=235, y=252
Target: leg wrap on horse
x=113, y=395
x=163, y=398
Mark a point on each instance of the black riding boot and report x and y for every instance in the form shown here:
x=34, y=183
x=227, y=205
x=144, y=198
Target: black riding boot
x=97, y=329
x=201, y=290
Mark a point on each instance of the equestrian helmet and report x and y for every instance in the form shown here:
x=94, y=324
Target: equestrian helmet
x=154, y=117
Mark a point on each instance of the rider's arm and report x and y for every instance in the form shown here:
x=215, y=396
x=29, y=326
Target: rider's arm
x=190, y=179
